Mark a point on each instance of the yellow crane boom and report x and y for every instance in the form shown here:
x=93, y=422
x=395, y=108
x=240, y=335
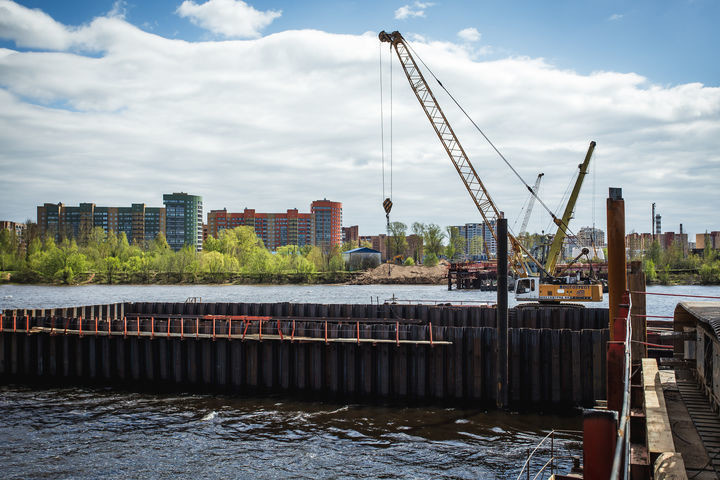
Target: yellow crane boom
x=562, y=223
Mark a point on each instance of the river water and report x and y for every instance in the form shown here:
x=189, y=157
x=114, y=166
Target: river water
x=104, y=433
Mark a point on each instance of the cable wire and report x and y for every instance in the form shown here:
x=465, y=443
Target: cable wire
x=558, y=221
x=391, y=123
x=382, y=127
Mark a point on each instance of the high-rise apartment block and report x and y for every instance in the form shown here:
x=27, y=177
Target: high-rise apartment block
x=289, y=228
x=17, y=228
x=139, y=222
x=588, y=236
x=327, y=216
x=478, y=236
x=274, y=229
x=184, y=220
x=351, y=234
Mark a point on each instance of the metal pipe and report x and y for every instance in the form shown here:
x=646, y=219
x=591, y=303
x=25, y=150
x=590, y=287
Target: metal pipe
x=616, y=253
x=502, y=314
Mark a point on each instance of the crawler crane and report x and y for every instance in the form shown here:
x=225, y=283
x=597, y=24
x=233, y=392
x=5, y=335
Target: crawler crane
x=528, y=287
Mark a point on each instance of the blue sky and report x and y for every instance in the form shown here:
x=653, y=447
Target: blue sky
x=670, y=42
x=271, y=105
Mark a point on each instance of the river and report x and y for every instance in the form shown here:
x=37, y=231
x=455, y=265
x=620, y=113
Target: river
x=89, y=433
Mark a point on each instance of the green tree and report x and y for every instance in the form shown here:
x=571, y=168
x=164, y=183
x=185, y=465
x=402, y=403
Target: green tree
x=649, y=268
x=430, y=260
x=185, y=263
x=58, y=264
x=10, y=258
x=654, y=253
x=397, y=243
x=111, y=267
x=351, y=245
x=477, y=245
x=456, y=243
x=433, y=240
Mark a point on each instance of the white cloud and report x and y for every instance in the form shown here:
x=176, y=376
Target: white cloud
x=469, y=34
x=119, y=9
x=276, y=122
x=31, y=28
x=416, y=10
x=615, y=16
x=229, y=18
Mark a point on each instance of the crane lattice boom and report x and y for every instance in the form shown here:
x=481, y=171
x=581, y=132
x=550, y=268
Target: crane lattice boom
x=531, y=202
x=454, y=149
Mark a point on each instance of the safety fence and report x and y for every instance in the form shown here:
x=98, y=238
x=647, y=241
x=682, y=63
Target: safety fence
x=553, y=457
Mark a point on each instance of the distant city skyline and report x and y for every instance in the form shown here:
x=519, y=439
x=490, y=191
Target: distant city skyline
x=578, y=229
x=264, y=103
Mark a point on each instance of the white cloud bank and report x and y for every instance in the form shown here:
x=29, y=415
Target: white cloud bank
x=229, y=18
x=120, y=115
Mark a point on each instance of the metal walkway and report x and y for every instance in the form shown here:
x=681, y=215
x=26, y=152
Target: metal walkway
x=707, y=424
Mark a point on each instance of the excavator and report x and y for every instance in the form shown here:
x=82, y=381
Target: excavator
x=536, y=281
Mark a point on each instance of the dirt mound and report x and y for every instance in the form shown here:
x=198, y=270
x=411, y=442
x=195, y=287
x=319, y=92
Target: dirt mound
x=400, y=274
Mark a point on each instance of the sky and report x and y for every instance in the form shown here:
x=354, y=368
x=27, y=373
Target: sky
x=273, y=104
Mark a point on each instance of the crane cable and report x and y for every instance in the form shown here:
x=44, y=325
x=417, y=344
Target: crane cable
x=387, y=201
x=382, y=125
x=557, y=220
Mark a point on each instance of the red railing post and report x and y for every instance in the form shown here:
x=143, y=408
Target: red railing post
x=616, y=355
x=599, y=438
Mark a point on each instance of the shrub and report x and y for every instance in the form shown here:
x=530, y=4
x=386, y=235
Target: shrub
x=430, y=260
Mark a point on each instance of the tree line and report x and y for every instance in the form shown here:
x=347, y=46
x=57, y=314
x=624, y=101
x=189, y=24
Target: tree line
x=676, y=265
x=235, y=255
x=109, y=258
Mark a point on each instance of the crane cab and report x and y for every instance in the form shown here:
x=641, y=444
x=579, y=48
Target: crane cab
x=526, y=289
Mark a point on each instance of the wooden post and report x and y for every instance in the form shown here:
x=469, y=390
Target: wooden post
x=636, y=283
x=502, y=314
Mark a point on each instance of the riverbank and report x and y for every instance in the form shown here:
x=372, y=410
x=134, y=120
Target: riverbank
x=386, y=274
